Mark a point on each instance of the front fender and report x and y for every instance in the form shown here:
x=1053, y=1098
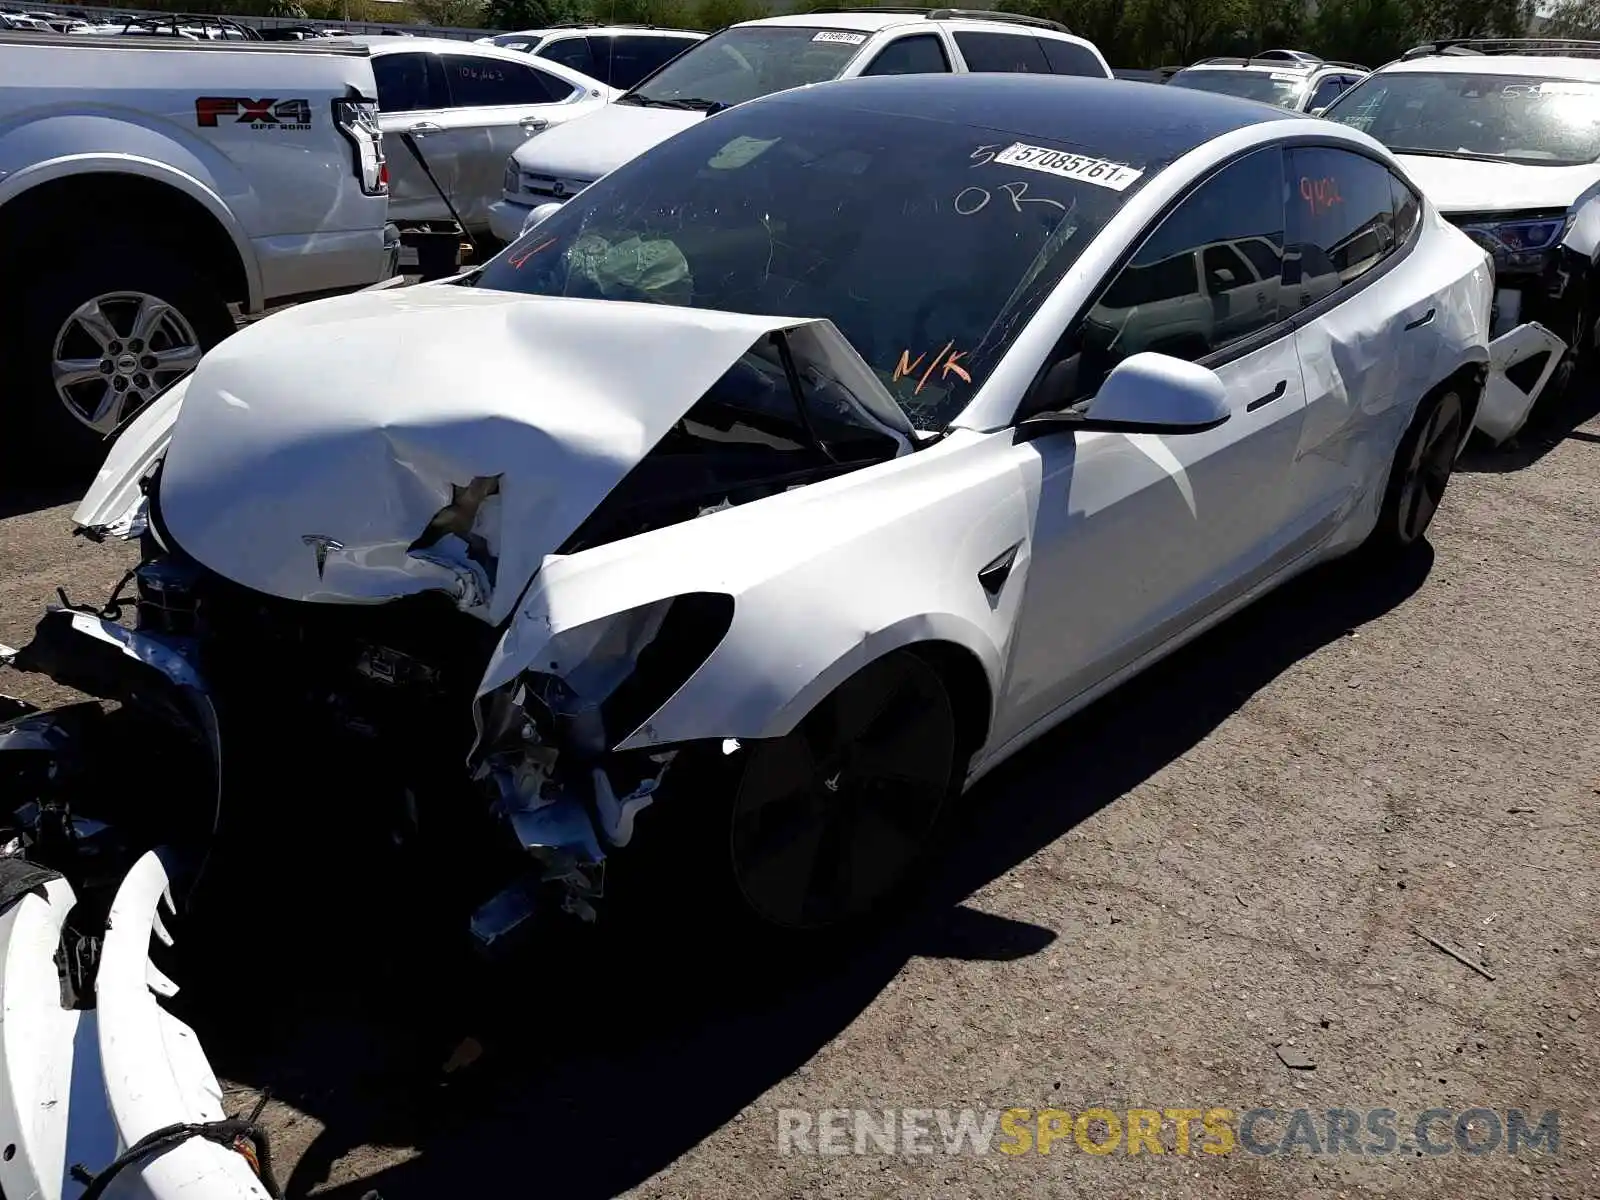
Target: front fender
x=62, y=144
x=824, y=579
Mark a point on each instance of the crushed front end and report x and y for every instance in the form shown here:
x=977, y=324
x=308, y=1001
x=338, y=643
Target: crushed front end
x=1543, y=304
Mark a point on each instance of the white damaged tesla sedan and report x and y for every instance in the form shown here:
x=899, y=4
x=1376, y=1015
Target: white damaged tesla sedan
x=776, y=488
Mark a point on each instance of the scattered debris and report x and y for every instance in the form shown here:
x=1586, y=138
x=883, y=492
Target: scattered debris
x=1522, y=810
x=1240, y=899
x=1295, y=1060
x=1455, y=954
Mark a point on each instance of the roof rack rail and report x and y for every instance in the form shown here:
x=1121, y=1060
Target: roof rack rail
x=983, y=14
x=1339, y=62
x=1566, y=47
x=945, y=14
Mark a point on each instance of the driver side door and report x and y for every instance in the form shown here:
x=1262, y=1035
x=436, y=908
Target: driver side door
x=1139, y=536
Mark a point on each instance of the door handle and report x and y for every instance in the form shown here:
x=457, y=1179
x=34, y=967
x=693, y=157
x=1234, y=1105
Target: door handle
x=422, y=127
x=534, y=124
x=1420, y=321
x=1274, y=394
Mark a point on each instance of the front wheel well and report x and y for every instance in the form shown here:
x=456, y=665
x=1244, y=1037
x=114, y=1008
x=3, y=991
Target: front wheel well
x=55, y=216
x=971, y=697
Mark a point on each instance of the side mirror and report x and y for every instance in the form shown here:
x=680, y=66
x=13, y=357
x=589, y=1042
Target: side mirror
x=1145, y=393
x=1319, y=110
x=538, y=214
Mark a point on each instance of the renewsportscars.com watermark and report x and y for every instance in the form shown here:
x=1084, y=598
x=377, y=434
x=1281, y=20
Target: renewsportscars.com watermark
x=1181, y=1131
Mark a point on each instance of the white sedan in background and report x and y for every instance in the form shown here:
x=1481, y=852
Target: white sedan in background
x=468, y=107
x=749, y=508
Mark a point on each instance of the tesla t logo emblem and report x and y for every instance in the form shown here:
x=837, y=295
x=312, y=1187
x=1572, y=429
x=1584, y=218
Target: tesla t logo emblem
x=321, y=543
x=258, y=114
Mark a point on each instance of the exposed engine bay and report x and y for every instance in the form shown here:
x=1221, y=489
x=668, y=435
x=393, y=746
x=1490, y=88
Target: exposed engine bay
x=260, y=704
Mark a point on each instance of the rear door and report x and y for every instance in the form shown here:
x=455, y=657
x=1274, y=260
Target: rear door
x=494, y=107
x=412, y=99
x=1366, y=342
x=986, y=50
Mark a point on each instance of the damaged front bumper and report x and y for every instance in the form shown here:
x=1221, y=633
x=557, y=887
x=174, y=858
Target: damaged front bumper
x=83, y=1085
x=1521, y=364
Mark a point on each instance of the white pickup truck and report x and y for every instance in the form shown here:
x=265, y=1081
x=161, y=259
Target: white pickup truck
x=147, y=184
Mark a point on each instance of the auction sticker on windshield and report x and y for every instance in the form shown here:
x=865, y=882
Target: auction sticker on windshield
x=1098, y=171
x=834, y=35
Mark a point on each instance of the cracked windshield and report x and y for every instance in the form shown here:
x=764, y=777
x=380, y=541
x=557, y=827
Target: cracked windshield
x=742, y=64
x=928, y=243
x=1519, y=118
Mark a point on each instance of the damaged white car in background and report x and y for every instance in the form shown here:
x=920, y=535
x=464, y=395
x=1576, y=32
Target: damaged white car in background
x=756, y=502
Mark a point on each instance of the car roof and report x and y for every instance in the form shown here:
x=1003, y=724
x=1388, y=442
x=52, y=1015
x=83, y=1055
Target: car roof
x=1549, y=65
x=873, y=21
x=388, y=43
x=1148, y=121
x=620, y=31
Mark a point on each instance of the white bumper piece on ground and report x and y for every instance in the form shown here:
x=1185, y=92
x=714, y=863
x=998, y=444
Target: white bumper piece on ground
x=1505, y=406
x=79, y=1087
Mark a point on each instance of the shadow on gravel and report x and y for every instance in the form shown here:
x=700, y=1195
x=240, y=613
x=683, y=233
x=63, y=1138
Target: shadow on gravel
x=1551, y=424
x=606, y=1059
x=18, y=497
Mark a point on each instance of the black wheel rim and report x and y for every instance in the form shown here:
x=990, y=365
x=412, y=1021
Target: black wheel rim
x=830, y=819
x=1427, y=474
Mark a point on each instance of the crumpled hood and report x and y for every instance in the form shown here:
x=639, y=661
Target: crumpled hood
x=598, y=144
x=1458, y=185
x=336, y=434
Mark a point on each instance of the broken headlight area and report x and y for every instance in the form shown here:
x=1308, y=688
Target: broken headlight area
x=546, y=748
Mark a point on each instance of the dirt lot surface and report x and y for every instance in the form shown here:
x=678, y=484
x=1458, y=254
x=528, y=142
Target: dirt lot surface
x=1223, y=866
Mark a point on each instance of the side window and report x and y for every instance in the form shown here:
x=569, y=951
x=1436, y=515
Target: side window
x=623, y=61
x=1007, y=52
x=919, y=54
x=572, y=52
x=1407, y=210
x=1327, y=91
x=1069, y=58
x=1341, y=220
x=402, y=82
x=485, y=82
x=1207, y=276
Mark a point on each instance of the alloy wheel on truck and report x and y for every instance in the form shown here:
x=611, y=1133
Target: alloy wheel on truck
x=100, y=336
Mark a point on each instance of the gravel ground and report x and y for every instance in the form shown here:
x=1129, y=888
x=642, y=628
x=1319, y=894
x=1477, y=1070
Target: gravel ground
x=1221, y=867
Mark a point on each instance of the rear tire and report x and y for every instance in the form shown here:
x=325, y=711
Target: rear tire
x=101, y=335
x=1421, y=470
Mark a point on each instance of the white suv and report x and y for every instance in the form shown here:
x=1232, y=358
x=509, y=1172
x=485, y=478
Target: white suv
x=1504, y=137
x=756, y=58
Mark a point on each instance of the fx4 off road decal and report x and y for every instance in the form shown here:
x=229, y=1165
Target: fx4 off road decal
x=258, y=114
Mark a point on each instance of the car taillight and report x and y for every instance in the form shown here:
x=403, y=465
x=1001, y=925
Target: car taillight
x=357, y=119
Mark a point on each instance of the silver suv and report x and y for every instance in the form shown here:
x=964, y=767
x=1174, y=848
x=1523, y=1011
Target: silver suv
x=1290, y=79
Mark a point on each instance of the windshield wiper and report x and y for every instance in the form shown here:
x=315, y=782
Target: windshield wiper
x=689, y=103
x=1463, y=154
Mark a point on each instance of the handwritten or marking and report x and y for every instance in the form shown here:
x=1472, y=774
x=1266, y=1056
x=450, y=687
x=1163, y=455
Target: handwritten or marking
x=946, y=366
x=1320, y=195
x=972, y=200
x=516, y=263
x=1098, y=171
x=985, y=154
